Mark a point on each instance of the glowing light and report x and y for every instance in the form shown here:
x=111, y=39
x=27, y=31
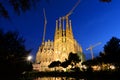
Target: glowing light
x=84, y=66
x=112, y=67
x=96, y=68
x=29, y=57
x=64, y=69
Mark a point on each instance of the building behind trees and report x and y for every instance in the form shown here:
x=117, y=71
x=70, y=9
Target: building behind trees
x=59, y=49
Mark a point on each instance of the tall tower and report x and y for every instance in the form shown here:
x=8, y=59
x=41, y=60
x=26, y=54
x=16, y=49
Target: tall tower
x=64, y=42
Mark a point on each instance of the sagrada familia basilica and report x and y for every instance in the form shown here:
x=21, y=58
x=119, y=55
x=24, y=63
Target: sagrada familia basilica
x=60, y=47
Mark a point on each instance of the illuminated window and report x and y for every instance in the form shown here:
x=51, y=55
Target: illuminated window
x=64, y=40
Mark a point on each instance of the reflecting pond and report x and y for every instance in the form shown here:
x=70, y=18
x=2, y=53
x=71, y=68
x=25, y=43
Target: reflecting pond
x=68, y=78
x=57, y=78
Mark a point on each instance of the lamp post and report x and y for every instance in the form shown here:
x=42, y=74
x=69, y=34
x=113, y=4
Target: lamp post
x=29, y=58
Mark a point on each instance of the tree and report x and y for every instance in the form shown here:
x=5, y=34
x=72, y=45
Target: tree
x=112, y=46
x=54, y=64
x=18, y=6
x=13, y=54
x=65, y=63
x=73, y=57
x=105, y=0
x=112, y=50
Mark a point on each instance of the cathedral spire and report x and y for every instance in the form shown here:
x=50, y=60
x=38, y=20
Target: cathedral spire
x=70, y=25
x=63, y=24
x=56, y=25
x=60, y=25
x=67, y=23
x=56, y=31
x=67, y=27
x=71, y=33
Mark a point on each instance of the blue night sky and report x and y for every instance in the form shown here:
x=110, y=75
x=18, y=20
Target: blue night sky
x=92, y=22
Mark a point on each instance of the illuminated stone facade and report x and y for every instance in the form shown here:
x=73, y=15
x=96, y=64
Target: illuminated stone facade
x=59, y=49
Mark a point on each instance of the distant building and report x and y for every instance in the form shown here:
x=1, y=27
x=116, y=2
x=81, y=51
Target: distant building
x=59, y=49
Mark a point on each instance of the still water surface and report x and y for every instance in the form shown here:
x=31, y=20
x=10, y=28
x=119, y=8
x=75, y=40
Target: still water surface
x=70, y=78
x=57, y=78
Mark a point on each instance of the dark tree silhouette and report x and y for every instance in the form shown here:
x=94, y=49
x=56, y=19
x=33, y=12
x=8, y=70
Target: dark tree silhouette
x=3, y=11
x=112, y=46
x=105, y=0
x=54, y=64
x=13, y=54
x=73, y=57
x=101, y=54
x=18, y=6
x=112, y=50
x=65, y=63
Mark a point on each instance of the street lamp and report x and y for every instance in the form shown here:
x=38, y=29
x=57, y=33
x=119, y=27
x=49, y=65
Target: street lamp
x=29, y=58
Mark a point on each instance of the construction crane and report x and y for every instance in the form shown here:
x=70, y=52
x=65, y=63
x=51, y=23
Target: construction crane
x=45, y=23
x=70, y=12
x=91, y=48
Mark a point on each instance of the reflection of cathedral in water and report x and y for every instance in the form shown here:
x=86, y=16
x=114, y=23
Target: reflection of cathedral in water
x=59, y=49
x=56, y=78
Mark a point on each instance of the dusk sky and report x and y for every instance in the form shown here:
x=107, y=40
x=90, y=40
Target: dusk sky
x=92, y=22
